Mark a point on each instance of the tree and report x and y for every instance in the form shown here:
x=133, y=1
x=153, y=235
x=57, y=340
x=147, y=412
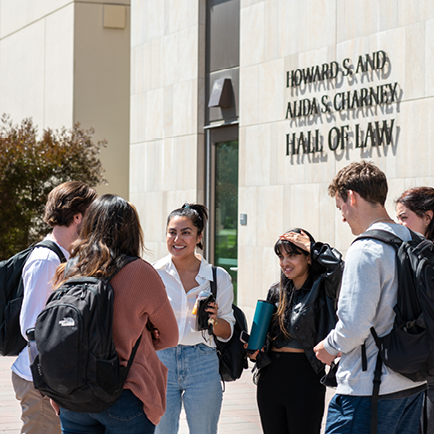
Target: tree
x=30, y=167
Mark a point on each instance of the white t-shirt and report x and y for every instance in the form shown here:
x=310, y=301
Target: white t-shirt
x=38, y=273
x=183, y=302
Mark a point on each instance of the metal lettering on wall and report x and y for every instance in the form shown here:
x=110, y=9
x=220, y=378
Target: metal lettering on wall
x=316, y=100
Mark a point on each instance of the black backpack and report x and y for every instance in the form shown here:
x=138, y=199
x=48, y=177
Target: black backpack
x=232, y=355
x=409, y=348
x=78, y=365
x=11, y=297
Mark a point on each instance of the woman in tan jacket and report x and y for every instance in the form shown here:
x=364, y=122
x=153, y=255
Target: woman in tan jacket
x=111, y=230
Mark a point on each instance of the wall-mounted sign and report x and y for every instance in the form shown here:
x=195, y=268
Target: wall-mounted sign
x=371, y=95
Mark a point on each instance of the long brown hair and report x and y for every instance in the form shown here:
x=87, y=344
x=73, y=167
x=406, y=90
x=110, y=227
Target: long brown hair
x=286, y=287
x=420, y=200
x=111, y=230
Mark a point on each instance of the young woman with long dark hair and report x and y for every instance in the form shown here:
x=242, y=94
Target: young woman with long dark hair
x=110, y=232
x=290, y=396
x=415, y=210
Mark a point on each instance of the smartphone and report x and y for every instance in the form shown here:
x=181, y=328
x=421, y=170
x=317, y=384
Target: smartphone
x=244, y=337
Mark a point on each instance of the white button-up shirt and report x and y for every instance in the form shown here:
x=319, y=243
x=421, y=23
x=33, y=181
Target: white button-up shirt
x=183, y=302
x=38, y=273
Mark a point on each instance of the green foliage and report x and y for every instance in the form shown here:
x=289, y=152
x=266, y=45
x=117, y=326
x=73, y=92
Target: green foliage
x=30, y=167
x=227, y=183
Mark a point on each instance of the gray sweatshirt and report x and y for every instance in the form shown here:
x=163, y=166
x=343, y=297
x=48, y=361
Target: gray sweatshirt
x=368, y=295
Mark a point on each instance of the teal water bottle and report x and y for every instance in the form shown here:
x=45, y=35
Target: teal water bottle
x=261, y=322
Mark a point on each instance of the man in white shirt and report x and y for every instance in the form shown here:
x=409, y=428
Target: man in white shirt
x=64, y=211
x=367, y=297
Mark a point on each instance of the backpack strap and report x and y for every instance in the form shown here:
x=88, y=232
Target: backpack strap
x=380, y=235
x=389, y=238
x=424, y=424
x=415, y=236
x=126, y=261
x=71, y=263
x=375, y=394
x=213, y=287
x=376, y=383
x=364, y=358
x=213, y=283
x=133, y=354
x=51, y=245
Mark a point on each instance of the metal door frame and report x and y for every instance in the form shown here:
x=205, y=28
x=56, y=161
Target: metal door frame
x=224, y=133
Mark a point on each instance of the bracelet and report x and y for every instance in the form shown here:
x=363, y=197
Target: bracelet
x=212, y=321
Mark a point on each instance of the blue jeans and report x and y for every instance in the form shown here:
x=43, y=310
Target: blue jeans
x=194, y=380
x=125, y=416
x=352, y=414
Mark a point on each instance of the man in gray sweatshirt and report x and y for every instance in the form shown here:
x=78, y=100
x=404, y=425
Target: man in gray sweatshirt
x=368, y=295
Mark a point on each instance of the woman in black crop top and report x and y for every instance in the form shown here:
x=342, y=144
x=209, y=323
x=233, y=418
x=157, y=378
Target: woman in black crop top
x=290, y=396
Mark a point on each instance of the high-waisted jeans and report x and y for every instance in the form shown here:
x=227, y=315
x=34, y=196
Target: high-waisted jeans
x=193, y=380
x=126, y=415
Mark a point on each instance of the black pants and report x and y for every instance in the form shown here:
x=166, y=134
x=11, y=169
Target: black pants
x=290, y=396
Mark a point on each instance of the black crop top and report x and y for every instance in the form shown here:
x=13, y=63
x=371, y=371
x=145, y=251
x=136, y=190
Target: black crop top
x=276, y=335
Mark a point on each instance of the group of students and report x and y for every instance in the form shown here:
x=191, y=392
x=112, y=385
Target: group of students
x=173, y=362
x=177, y=365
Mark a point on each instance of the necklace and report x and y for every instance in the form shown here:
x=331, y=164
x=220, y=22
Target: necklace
x=382, y=218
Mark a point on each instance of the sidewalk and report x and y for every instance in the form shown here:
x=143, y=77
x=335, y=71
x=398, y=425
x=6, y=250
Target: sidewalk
x=10, y=410
x=239, y=411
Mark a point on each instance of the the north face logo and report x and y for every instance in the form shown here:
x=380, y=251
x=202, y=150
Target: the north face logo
x=67, y=322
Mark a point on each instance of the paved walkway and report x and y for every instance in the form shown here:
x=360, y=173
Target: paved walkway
x=10, y=410
x=239, y=411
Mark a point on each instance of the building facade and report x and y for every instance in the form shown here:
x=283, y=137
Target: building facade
x=63, y=62
x=248, y=106
x=313, y=85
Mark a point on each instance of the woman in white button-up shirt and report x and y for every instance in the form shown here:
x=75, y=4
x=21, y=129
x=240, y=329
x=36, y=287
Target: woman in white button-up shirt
x=193, y=377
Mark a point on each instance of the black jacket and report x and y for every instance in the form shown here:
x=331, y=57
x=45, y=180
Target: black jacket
x=313, y=312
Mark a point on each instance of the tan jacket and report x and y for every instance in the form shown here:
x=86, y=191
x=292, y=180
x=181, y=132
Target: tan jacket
x=140, y=297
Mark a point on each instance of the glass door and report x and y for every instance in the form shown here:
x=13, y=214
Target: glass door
x=225, y=210
x=221, y=198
